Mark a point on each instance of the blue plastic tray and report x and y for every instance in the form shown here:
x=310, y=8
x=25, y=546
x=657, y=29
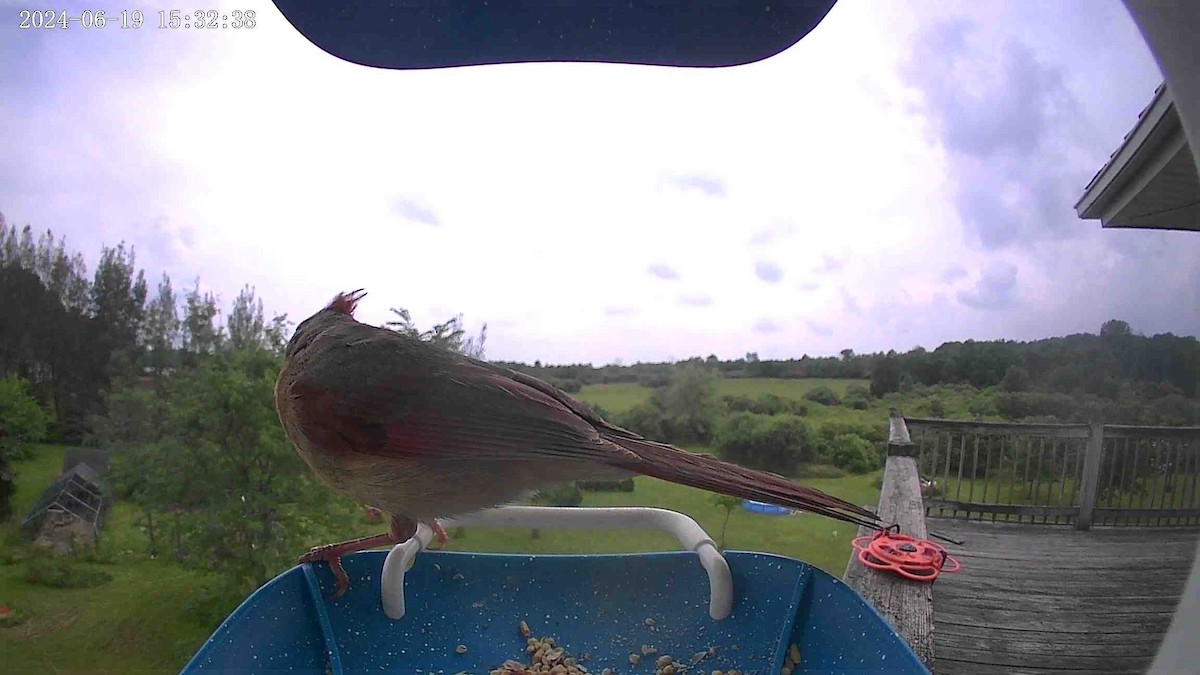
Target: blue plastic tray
x=591, y=604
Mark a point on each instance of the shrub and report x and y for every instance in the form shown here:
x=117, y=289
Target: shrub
x=645, y=418
x=823, y=395
x=765, y=404
x=857, y=390
x=852, y=453
x=22, y=420
x=624, y=485
x=567, y=494
x=55, y=572
x=776, y=443
x=819, y=471
x=937, y=408
x=876, y=433
x=569, y=385
x=982, y=405
x=600, y=412
x=857, y=402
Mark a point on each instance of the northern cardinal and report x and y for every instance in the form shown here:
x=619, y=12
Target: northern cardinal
x=421, y=432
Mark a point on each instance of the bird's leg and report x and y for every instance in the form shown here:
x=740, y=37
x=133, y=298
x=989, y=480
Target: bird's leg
x=399, y=531
x=439, y=532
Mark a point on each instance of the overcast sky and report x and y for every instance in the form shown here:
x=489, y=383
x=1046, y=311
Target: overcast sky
x=904, y=175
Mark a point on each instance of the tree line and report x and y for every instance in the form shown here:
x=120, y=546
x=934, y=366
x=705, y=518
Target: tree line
x=1091, y=363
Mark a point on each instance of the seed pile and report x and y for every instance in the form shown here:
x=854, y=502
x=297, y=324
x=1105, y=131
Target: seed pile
x=791, y=660
x=544, y=657
x=547, y=658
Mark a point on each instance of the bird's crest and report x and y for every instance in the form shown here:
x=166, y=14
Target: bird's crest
x=345, y=303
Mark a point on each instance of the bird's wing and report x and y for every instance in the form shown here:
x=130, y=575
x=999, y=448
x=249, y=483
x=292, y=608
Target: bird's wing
x=440, y=406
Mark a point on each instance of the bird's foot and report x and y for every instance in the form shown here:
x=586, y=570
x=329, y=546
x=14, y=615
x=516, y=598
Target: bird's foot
x=330, y=553
x=439, y=533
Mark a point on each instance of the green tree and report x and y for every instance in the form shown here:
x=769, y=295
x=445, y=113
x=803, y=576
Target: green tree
x=689, y=405
x=885, y=377
x=1115, y=327
x=206, y=459
x=161, y=331
x=22, y=421
x=201, y=335
x=118, y=305
x=449, y=335
x=1016, y=378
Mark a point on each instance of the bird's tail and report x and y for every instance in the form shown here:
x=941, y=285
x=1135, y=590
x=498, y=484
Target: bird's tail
x=709, y=473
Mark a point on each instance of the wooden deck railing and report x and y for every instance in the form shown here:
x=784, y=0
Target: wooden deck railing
x=906, y=604
x=1059, y=473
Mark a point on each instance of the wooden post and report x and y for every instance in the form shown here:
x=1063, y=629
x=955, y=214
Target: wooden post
x=1089, y=487
x=906, y=604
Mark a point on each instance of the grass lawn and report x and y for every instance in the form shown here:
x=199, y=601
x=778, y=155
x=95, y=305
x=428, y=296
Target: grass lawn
x=150, y=617
x=817, y=540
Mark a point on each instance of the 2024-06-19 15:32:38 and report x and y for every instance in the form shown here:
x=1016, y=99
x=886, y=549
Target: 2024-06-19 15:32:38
x=174, y=19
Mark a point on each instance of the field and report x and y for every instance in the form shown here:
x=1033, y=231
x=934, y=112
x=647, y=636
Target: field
x=622, y=396
x=154, y=613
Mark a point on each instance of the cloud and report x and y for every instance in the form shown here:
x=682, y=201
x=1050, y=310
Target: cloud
x=953, y=273
x=819, y=328
x=829, y=264
x=763, y=237
x=696, y=300
x=410, y=209
x=620, y=311
x=663, y=272
x=996, y=288
x=768, y=271
x=708, y=185
x=1012, y=128
x=766, y=326
x=808, y=285
x=850, y=303
x=771, y=234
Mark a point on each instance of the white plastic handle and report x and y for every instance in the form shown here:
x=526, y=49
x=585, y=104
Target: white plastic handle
x=688, y=531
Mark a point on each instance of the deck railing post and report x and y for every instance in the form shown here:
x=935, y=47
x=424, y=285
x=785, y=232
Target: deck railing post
x=1090, y=480
x=906, y=604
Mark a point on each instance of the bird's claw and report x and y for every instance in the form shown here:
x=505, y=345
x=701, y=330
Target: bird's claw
x=439, y=533
x=329, y=554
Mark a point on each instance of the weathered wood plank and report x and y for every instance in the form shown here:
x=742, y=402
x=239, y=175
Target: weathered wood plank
x=1114, y=623
x=1012, y=509
x=922, y=425
x=1042, y=638
x=1007, y=655
x=997, y=642
x=906, y=604
x=1047, y=599
x=968, y=667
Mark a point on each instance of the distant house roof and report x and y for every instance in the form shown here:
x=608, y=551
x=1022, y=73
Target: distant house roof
x=1150, y=181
